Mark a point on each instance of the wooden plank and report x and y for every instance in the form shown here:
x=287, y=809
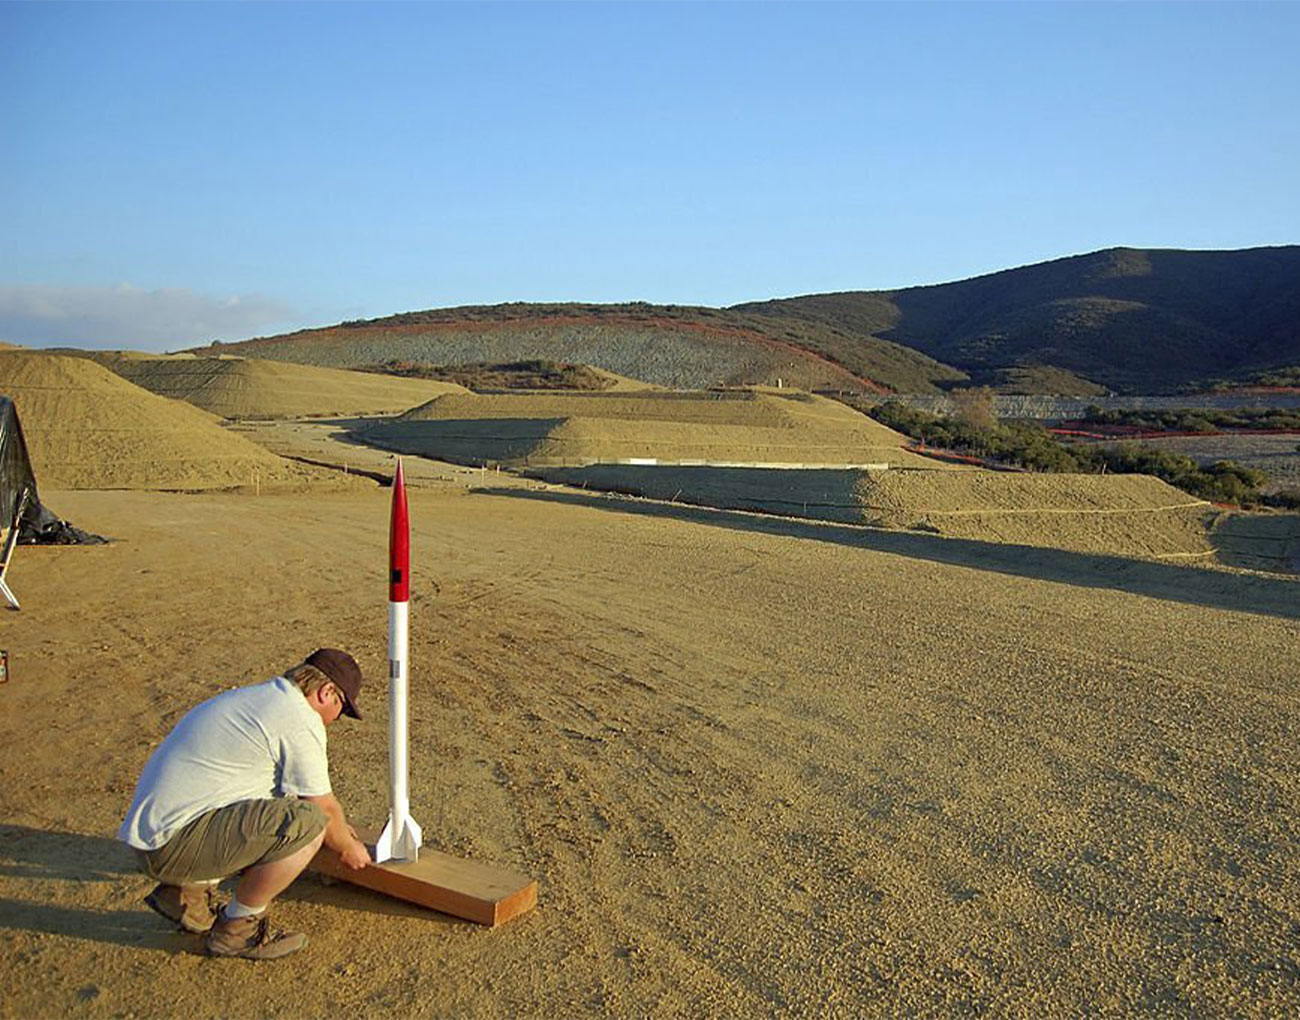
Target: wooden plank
x=482, y=893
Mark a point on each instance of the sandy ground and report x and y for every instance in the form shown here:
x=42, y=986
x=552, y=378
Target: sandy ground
x=329, y=442
x=759, y=766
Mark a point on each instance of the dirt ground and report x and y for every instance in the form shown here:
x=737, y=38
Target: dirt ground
x=758, y=765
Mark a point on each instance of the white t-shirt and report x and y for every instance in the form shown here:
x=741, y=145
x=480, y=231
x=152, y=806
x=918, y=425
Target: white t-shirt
x=252, y=743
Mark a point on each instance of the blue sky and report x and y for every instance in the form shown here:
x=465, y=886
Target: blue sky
x=176, y=173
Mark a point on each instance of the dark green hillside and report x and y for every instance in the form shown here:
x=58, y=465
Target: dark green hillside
x=1131, y=319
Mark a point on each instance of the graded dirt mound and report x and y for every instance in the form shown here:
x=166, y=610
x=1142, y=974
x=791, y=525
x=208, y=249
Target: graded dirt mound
x=754, y=407
x=87, y=428
x=1126, y=515
x=1130, y=515
x=727, y=427
x=252, y=388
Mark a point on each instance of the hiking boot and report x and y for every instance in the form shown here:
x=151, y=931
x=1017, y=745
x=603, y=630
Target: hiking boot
x=193, y=907
x=252, y=938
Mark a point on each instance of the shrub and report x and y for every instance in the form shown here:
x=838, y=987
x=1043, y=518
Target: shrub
x=1283, y=499
x=975, y=407
x=1036, y=449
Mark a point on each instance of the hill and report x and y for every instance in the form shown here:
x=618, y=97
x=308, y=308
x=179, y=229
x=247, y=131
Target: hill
x=1125, y=319
x=87, y=428
x=1130, y=319
x=252, y=388
x=668, y=345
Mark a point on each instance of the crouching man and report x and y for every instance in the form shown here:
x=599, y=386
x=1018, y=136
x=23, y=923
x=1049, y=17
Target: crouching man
x=241, y=786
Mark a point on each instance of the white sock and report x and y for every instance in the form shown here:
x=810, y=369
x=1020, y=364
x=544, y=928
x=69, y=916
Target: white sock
x=235, y=910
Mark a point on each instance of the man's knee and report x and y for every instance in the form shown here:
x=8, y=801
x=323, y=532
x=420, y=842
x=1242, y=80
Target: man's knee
x=302, y=828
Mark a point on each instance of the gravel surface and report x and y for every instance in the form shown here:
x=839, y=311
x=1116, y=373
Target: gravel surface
x=759, y=766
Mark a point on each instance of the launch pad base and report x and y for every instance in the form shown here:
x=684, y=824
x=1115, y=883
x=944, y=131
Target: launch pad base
x=482, y=893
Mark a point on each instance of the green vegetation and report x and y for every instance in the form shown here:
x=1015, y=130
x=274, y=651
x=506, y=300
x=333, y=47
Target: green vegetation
x=1283, y=378
x=1196, y=419
x=522, y=375
x=894, y=366
x=1031, y=379
x=1035, y=449
x=1137, y=321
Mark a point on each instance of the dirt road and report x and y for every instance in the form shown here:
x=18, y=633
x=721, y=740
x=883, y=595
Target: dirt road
x=759, y=766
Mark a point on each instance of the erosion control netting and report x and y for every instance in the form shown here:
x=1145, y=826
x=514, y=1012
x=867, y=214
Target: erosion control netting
x=37, y=525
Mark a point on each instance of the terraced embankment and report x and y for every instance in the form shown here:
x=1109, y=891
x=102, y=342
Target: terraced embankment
x=87, y=428
x=1128, y=515
x=575, y=429
x=252, y=388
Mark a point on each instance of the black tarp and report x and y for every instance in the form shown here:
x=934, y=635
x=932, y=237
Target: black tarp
x=38, y=526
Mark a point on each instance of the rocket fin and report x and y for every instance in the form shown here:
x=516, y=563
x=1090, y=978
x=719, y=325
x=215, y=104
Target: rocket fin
x=399, y=842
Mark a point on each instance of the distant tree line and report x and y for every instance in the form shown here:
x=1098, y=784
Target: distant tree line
x=536, y=374
x=1033, y=448
x=1196, y=419
x=1285, y=378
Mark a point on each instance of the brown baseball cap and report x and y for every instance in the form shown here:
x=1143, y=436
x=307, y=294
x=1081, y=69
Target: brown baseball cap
x=341, y=668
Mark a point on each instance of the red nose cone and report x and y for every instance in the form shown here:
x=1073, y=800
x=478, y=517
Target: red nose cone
x=399, y=543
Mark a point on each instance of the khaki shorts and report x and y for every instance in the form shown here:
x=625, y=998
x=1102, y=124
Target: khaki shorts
x=229, y=839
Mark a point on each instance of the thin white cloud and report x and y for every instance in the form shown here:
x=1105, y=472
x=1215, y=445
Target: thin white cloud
x=126, y=316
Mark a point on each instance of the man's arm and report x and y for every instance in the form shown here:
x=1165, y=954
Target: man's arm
x=339, y=835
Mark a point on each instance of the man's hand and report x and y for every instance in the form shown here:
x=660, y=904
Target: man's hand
x=355, y=855
x=339, y=835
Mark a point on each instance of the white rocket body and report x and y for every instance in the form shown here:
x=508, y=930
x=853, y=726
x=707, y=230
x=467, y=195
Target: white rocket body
x=401, y=837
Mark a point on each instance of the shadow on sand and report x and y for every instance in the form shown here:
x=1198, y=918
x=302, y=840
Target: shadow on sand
x=42, y=857
x=1245, y=593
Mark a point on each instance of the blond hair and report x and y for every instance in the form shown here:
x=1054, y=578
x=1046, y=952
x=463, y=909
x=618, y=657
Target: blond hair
x=308, y=678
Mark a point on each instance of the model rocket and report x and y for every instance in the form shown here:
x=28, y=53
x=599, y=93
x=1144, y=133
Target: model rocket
x=400, y=839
